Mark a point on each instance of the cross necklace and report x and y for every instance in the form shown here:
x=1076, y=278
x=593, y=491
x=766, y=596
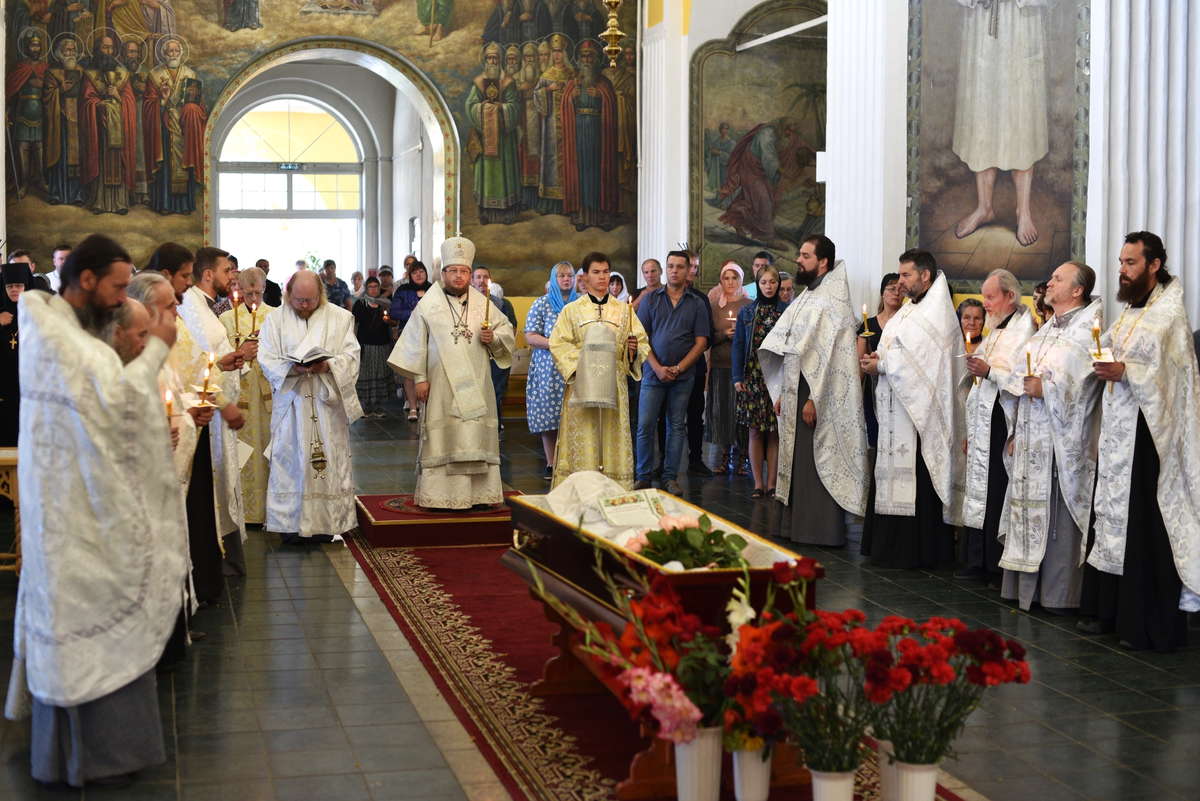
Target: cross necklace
x=460, y=329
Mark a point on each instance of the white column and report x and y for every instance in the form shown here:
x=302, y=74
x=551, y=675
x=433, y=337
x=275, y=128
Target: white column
x=652, y=153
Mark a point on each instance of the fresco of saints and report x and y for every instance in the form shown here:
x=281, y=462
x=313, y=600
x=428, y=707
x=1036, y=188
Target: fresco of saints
x=717, y=147
x=1000, y=115
x=591, y=194
x=241, y=14
x=514, y=22
x=62, y=90
x=531, y=126
x=760, y=160
x=132, y=59
x=126, y=17
x=173, y=119
x=512, y=60
x=543, y=55
x=436, y=13
x=24, y=104
x=494, y=110
x=108, y=123
x=583, y=19
x=67, y=16
x=623, y=76
x=548, y=97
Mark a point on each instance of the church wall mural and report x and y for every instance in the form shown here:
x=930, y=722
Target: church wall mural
x=998, y=147
x=107, y=103
x=757, y=123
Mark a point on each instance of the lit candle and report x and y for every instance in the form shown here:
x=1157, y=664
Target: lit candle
x=487, y=305
x=1029, y=360
x=253, y=318
x=970, y=350
x=170, y=402
x=866, y=330
x=207, y=373
x=237, y=329
x=1096, y=336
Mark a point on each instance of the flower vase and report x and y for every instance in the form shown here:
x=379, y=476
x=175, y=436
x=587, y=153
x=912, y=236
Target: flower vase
x=698, y=766
x=751, y=775
x=832, y=786
x=887, y=771
x=915, y=782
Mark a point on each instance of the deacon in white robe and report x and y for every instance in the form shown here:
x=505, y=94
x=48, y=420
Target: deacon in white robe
x=810, y=362
x=1052, y=470
x=208, y=347
x=917, y=489
x=1147, y=503
x=103, y=534
x=990, y=410
x=446, y=350
x=310, y=355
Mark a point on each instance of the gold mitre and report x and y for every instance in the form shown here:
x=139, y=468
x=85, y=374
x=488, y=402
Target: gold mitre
x=559, y=42
x=544, y=46
x=458, y=251
x=530, y=47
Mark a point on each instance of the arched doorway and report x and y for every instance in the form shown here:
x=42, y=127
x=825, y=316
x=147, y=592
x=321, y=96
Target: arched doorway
x=372, y=102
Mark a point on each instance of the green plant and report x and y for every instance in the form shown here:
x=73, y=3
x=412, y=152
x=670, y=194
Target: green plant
x=691, y=542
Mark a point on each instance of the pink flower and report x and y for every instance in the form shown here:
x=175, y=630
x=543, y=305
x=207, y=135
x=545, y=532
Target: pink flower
x=636, y=543
x=669, y=523
x=677, y=716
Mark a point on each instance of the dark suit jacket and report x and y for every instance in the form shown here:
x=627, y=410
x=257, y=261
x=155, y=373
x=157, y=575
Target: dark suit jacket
x=272, y=294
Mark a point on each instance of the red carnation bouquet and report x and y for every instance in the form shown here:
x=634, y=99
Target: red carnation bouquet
x=926, y=679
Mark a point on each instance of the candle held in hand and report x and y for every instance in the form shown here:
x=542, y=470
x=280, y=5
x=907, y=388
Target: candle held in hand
x=237, y=328
x=487, y=305
x=170, y=398
x=207, y=373
x=1028, y=360
x=1096, y=336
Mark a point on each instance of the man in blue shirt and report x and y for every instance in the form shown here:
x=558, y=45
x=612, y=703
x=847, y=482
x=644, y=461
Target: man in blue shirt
x=677, y=323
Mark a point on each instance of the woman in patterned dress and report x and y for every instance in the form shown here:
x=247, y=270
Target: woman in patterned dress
x=754, y=407
x=376, y=381
x=544, y=388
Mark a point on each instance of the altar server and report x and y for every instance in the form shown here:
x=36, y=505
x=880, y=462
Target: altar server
x=598, y=343
x=1048, y=504
x=990, y=411
x=810, y=363
x=1148, y=503
x=447, y=350
x=102, y=525
x=309, y=354
x=918, y=480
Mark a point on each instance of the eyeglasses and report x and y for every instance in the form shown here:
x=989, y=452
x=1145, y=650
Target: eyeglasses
x=305, y=301
x=458, y=273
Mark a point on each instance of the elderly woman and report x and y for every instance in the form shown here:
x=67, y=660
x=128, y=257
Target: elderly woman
x=971, y=316
x=754, y=407
x=376, y=381
x=720, y=421
x=404, y=299
x=357, y=289
x=544, y=387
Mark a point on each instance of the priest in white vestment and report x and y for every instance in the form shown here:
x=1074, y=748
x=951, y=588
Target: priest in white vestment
x=447, y=351
x=810, y=363
x=990, y=409
x=103, y=532
x=1052, y=470
x=917, y=489
x=1147, y=502
x=310, y=355
x=209, y=348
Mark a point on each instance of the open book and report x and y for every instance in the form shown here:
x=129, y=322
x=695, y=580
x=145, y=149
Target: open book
x=314, y=355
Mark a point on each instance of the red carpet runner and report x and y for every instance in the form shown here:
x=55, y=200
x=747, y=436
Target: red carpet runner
x=484, y=640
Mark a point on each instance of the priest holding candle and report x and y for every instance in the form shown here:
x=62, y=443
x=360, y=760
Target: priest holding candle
x=1147, y=507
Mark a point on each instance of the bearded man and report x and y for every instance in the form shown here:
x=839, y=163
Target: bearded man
x=435, y=14
x=92, y=427
x=109, y=127
x=1048, y=505
x=139, y=74
x=530, y=148
x=758, y=163
x=23, y=99
x=128, y=331
x=548, y=98
x=62, y=89
x=1148, y=504
x=917, y=487
x=446, y=350
x=311, y=357
x=173, y=120
x=591, y=192
x=512, y=60
x=494, y=109
x=990, y=413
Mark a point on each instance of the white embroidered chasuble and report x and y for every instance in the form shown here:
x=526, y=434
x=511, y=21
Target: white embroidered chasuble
x=297, y=501
x=920, y=371
x=817, y=337
x=254, y=399
x=104, y=539
x=1161, y=380
x=579, y=434
x=1054, y=434
x=207, y=335
x=458, y=465
x=170, y=378
x=1004, y=350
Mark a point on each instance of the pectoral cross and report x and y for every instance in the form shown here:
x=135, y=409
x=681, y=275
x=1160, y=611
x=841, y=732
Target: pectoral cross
x=12, y=343
x=461, y=331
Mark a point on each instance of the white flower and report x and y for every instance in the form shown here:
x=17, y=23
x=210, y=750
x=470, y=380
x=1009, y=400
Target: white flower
x=738, y=612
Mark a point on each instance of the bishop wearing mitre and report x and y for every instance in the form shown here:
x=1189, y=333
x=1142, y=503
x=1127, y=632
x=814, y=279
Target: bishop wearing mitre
x=1048, y=505
x=990, y=410
x=810, y=363
x=1147, y=502
x=310, y=356
x=447, y=348
x=597, y=343
x=917, y=489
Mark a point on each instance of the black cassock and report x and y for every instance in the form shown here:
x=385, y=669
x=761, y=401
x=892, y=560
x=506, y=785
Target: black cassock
x=922, y=540
x=10, y=351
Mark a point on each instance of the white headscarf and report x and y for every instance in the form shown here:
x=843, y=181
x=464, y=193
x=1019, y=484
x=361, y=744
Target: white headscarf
x=624, y=296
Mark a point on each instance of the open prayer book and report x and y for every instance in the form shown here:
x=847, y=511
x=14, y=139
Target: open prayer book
x=314, y=355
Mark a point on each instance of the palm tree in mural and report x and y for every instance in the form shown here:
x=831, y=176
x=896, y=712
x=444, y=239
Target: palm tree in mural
x=810, y=97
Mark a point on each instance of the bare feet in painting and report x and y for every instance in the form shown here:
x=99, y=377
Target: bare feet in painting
x=969, y=224
x=422, y=30
x=438, y=34
x=1026, y=233
x=1023, y=182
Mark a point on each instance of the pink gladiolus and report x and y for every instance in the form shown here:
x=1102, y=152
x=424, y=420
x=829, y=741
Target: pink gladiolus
x=677, y=716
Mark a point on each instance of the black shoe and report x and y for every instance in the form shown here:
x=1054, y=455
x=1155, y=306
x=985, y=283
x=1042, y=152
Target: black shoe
x=994, y=585
x=673, y=488
x=1128, y=646
x=699, y=470
x=549, y=474
x=1093, y=627
x=197, y=636
x=969, y=573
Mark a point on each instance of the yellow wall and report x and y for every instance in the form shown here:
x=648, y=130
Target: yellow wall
x=687, y=16
x=654, y=12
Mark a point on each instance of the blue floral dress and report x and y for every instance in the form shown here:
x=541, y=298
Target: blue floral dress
x=544, y=390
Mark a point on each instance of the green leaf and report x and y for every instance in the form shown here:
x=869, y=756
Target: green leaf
x=694, y=538
x=658, y=539
x=736, y=542
x=705, y=523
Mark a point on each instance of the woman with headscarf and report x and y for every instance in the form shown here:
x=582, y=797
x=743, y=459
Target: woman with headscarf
x=376, y=381
x=544, y=387
x=17, y=278
x=404, y=299
x=720, y=420
x=754, y=407
x=617, y=288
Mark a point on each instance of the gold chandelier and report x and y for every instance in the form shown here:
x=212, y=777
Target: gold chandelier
x=612, y=34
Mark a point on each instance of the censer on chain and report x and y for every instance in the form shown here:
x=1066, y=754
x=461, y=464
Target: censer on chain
x=317, y=459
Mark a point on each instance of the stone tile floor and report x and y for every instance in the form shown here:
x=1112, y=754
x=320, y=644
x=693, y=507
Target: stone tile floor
x=305, y=689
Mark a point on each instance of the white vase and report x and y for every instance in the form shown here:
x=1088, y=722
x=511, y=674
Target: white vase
x=698, y=766
x=832, y=786
x=887, y=771
x=915, y=782
x=751, y=775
